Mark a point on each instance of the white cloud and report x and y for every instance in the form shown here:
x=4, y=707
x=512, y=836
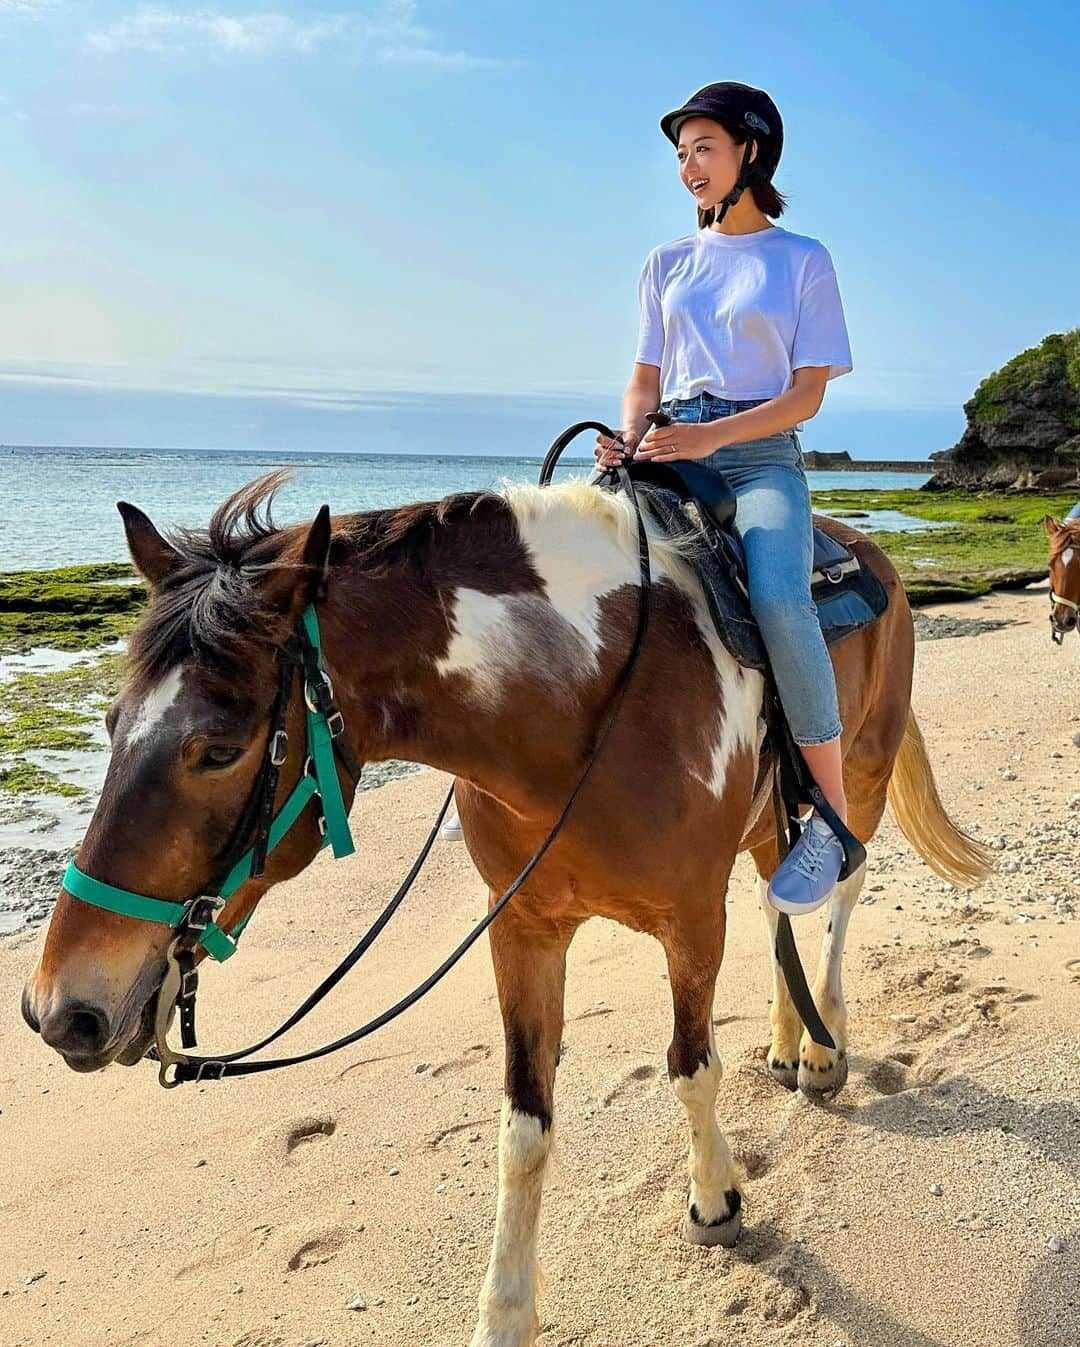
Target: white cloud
x=33, y=8
x=390, y=34
x=155, y=29
x=420, y=55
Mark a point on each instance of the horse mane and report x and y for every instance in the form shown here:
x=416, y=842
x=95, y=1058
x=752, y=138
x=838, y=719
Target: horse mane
x=212, y=607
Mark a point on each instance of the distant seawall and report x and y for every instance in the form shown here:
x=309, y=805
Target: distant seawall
x=836, y=463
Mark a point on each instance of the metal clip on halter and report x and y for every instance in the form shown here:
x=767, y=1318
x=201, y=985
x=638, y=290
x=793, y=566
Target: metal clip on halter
x=319, y=692
x=201, y=912
x=279, y=748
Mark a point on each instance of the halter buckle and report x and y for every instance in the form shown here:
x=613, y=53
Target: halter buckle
x=319, y=692
x=335, y=723
x=189, y=985
x=201, y=912
x=210, y=1071
x=279, y=748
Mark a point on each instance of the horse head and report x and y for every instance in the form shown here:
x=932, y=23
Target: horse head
x=1064, y=573
x=189, y=738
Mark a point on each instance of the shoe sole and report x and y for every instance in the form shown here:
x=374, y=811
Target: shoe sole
x=796, y=909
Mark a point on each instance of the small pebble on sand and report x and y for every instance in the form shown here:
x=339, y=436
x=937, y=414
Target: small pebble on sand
x=935, y=1190
x=357, y=1303
x=1055, y=1244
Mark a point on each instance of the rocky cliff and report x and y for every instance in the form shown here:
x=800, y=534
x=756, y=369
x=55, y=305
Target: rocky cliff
x=1023, y=424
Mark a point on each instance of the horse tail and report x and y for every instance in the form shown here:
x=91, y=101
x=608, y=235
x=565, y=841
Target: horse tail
x=923, y=820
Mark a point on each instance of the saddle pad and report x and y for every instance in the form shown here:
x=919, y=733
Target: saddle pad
x=853, y=601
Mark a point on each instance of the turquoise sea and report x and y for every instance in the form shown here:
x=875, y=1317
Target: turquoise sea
x=58, y=506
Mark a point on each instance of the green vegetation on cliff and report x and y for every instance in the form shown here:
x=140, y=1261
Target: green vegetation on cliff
x=1056, y=358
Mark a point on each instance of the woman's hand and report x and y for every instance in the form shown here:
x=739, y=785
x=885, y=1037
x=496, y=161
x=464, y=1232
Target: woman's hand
x=681, y=439
x=613, y=453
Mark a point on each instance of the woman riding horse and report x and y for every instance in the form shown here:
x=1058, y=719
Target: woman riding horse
x=741, y=328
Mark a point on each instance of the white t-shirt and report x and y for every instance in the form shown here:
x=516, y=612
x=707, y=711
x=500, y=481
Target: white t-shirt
x=736, y=314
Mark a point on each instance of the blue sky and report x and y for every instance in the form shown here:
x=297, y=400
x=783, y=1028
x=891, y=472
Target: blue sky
x=420, y=225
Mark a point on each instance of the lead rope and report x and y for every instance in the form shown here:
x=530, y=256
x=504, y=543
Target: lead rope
x=184, y=1067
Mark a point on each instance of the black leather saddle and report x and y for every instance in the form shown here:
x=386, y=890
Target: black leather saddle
x=712, y=494
x=686, y=498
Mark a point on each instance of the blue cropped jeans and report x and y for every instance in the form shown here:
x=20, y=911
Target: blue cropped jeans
x=774, y=521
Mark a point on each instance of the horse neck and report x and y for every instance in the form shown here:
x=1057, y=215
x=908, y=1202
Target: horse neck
x=486, y=659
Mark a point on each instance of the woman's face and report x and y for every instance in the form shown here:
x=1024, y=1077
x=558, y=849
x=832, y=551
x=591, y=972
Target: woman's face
x=709, y=160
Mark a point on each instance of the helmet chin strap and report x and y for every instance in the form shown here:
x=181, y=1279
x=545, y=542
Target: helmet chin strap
x=740, y=183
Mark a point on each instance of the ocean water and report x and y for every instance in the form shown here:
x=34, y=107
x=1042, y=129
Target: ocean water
x=58, y=506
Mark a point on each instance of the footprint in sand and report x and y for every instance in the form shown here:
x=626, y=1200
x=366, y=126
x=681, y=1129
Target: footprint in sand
x=479, y=1052
x=626, y=1083
x=318, y=1249
x=890, y=1076
x=999, y=1002
x=233, y=1247
x=756, y=1163
x=298, y=1136
x=447, y=1132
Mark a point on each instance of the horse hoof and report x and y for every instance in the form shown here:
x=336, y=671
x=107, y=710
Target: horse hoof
x=785, y=1073
x=724, y=1232
x=823, y=1081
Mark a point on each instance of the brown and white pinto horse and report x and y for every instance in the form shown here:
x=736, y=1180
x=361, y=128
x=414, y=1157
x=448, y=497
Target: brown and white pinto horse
x=482, y=634
x=1064, y=572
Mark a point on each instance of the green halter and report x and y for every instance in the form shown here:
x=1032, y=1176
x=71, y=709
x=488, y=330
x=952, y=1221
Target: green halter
x=318, y=778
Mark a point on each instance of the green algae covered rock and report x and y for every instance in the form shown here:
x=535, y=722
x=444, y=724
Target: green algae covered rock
x=1023, y=423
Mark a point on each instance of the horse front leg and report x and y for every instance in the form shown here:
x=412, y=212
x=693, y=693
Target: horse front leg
x=530, y=974
x=714, y=1205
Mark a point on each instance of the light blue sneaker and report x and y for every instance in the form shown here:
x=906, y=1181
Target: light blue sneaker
x=806, y=878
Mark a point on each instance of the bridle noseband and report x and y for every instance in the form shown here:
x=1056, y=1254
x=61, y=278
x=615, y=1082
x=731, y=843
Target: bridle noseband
x=1057, y=631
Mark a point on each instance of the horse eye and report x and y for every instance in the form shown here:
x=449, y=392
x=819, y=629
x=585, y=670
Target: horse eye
x=219, y=755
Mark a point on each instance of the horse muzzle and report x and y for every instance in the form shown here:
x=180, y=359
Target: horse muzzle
x=84, y=1034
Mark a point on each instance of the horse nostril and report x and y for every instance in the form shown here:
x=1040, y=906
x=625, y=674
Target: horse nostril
x=76, y=1028
x=27, y=1011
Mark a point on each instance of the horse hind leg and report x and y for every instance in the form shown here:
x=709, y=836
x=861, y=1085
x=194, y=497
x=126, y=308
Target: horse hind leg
x=795, y=1060
x=714, y=1205
x=785, y=1025
x=530, y=974
x=823, y=1071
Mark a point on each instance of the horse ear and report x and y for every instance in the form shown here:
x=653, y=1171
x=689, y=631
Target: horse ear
x=1051, y=524
x=154, y=558
x=289, y=588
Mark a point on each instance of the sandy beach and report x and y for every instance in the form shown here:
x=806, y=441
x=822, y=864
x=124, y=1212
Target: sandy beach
x=934, y=1203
